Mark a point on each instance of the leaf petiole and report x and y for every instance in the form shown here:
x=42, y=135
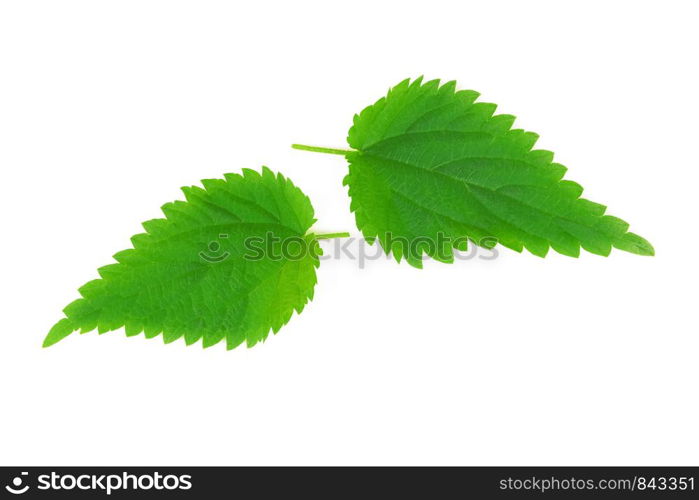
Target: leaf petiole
x=328, y=236
x=317, y=149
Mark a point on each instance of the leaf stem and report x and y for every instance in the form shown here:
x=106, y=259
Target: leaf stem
x=328, y=236
x=317, y=149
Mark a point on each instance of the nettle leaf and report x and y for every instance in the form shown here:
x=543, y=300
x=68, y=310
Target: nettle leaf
x=431, y=167
x=192, y=275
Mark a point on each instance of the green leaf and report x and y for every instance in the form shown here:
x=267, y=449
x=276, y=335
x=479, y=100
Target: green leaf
x=196, y=274
x=429, y=160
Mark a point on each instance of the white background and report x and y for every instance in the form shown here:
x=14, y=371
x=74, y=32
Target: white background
x=106, y=108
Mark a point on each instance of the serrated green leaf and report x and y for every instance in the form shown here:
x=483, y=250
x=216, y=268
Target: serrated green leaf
x=430, y=160
x=192, y=275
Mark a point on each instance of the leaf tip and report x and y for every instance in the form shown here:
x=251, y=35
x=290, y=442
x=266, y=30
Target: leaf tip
x=58, y=332
x=636, y=244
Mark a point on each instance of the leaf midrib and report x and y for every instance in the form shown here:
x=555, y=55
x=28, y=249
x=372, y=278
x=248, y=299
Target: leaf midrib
x=468, y=184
